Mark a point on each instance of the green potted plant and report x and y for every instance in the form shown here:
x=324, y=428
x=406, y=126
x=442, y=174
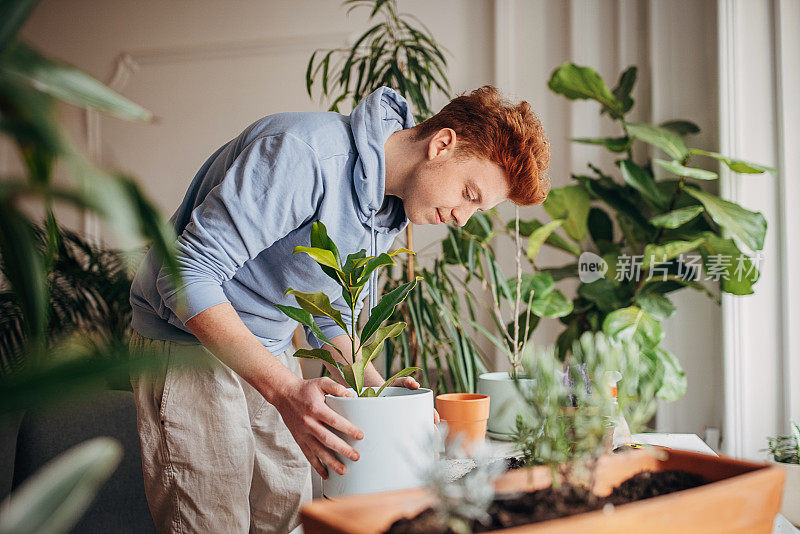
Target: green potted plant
x=396, y=422
x=785, y=452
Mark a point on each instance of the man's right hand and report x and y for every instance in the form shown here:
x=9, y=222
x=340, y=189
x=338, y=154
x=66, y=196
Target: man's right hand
x=301, y=403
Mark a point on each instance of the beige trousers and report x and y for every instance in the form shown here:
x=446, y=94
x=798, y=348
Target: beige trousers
x=216, y=456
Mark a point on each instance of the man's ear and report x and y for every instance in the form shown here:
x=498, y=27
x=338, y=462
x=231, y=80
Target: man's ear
x=443, y=143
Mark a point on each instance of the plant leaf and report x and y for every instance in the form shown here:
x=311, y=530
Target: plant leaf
x=405, y=372
x=317, y=304
x=655, y=304
x=526, y=228
x=681, y=127
x=320, y=240
x=371, y=350
x=643, y=182
x=55, y=497
x=380, y=260
x=321, y=256
x=635, y=324
x=674, y=384
x=583, y=83
x=571, y=203
x=736, y=165
x=737, y=272
x=748, y=226
x=662, y=138
x=317, y=354
x=614, y=144
x=676, y=218
x=386, y=307
x=654, y=254
x=681, y=170
x=303, y=317
x=554, y=304
x=64, y=82
x=539, y=236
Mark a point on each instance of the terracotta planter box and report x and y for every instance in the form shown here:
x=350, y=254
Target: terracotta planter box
x=742, y=497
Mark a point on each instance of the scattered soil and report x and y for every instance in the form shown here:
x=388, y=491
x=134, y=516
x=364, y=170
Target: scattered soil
x=514, y=463
x=546, y=504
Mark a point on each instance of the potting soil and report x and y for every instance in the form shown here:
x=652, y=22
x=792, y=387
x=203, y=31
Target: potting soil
x=549, y=503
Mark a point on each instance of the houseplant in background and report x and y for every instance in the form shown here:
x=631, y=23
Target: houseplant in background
x=648, y=237
x=397, y=422
x=785, y=451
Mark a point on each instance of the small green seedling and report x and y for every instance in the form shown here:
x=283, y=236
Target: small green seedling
x=351, y=276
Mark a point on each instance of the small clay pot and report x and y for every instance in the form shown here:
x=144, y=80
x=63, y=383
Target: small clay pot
x=466, y=415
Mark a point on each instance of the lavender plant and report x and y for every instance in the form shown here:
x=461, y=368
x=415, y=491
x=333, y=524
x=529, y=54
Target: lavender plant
x=570, y=405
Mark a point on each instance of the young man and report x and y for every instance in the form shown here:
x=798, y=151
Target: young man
x=227, y=444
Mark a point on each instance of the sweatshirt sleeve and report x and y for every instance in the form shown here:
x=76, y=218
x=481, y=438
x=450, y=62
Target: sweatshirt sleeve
x=273, y=187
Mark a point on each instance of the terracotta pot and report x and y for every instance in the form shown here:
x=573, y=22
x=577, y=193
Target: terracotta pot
x=741, y=497
x=465, y=414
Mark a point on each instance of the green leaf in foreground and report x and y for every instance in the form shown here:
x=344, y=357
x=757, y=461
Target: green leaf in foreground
x=25, y=65
x=55, y=497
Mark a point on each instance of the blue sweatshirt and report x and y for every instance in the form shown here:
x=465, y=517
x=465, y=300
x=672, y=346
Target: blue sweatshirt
x=255, y=199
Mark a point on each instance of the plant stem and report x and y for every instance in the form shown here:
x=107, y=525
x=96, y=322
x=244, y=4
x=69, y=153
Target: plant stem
x=515, y=360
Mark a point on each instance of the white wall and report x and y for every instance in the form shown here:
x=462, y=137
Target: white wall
x=209, y=68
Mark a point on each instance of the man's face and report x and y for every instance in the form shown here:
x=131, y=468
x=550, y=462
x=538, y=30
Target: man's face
x=446, y=188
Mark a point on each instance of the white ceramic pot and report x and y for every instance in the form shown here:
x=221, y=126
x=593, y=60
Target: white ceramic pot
x=505, y=404
x=790, y=508
x=398, y=436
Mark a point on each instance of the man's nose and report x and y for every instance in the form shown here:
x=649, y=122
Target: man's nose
x=462, y=214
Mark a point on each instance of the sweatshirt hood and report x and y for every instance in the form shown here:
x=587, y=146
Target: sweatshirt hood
x=372, y=121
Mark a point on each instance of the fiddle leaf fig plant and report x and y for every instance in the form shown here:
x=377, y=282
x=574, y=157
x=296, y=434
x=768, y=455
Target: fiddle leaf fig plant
x=351, y=275
x=637, y=237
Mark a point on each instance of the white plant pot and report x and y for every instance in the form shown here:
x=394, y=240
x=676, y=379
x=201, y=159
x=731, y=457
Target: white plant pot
x=790, y=508
x=505, y=404
x=398, y=441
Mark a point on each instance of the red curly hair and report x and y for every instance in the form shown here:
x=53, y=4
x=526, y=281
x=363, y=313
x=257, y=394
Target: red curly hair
x=489, y=127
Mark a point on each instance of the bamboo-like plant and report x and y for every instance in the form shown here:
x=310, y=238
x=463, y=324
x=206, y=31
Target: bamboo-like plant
x=351, y=275
x=394, y=52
